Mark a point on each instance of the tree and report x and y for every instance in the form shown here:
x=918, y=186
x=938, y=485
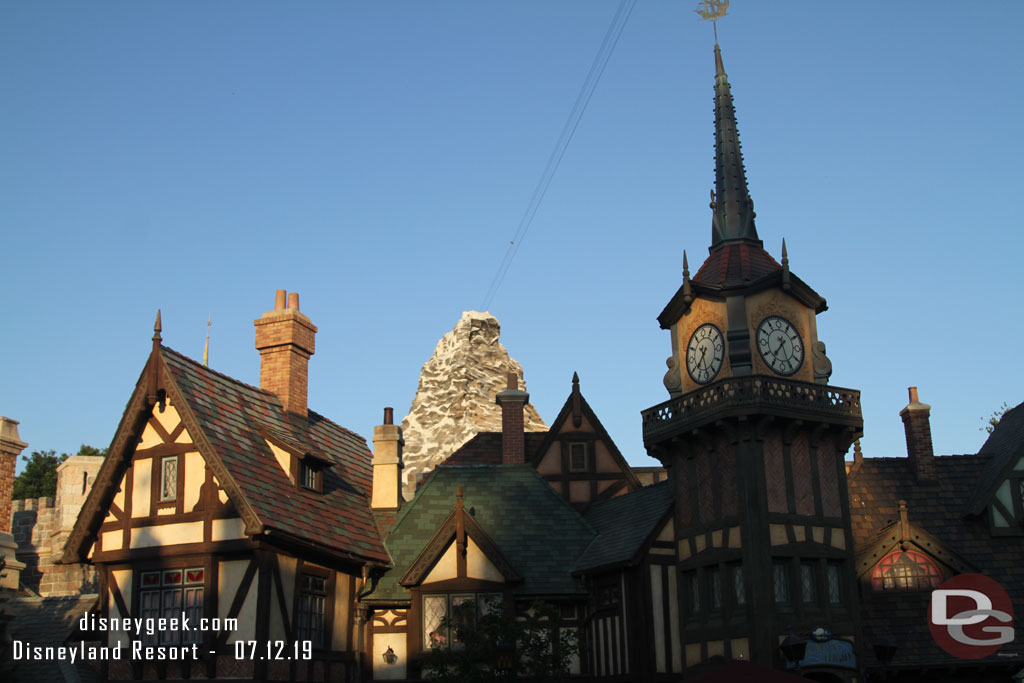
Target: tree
x=39, y=478
x=500, y=646
x=993, y=420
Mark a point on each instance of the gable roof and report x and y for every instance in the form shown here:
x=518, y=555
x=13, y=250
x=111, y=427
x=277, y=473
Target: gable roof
x=574, y=408
x=624, y=525
x=228, y=421
x=540, y=533
x=876, y=485
x=1006, y=446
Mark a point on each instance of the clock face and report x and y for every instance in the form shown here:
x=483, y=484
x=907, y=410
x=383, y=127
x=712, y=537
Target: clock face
x=780, y=345
x=704, y=353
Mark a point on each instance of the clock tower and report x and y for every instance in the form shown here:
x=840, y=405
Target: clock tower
x=754, y=439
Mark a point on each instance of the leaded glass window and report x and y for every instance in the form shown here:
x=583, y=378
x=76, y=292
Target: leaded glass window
x=739, y=585
x=715, y=578
x=435, y=611
x=780, y=582
x=808, y=583
x=693, y=589
x=835, y=595
x=169, y=478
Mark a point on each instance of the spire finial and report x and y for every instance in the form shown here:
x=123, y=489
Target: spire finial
x=785, y=266
x=577, y=408
x=732, y=218
x=157, y=329
x=206, y=348
x=687, y=289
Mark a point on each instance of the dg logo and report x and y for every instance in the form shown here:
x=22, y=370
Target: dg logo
x=970, y=616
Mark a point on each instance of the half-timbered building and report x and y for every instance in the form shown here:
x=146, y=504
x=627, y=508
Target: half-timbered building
x=239, y=508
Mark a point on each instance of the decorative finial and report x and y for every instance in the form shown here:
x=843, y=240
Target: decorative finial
x=785, y=266
x=577, y=408
x=687, y=289
x=206, y=349
x=713, y=10
x=157, y=329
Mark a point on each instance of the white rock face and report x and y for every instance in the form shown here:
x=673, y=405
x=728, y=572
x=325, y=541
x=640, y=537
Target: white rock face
x=455, y=397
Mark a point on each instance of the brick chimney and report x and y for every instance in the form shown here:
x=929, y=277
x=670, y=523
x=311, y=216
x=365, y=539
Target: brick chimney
x=11, y=447
x=919, y=437
x=387, y=464
x=285, y=339
x=513, y=441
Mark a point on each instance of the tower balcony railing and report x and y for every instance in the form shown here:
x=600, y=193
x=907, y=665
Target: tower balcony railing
x=752, y=395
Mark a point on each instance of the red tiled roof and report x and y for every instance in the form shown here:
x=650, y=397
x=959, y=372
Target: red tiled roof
x=735, y=264
x=232, y=414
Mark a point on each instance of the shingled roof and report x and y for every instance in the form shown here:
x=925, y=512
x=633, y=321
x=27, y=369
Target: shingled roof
x=539, y=532
x=624, y=524
x=229, y=422
x=485, y=449
x=232, y=415
x=876, y=486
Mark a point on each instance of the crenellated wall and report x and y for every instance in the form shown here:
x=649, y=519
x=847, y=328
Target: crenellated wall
x=41, y=527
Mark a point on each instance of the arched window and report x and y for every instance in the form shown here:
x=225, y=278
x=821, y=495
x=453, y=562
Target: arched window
x=905, y=570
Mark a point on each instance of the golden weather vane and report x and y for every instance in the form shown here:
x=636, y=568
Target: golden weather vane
x=713, y=10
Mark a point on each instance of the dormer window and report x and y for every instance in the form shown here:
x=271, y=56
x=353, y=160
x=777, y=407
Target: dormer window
x=311, y=475
x=905, y=570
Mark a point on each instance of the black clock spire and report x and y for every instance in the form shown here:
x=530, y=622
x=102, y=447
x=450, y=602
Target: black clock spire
x=732, y=208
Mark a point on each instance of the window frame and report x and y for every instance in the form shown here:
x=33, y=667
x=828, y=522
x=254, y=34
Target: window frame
x=165, y=460
x=447, y=637
x=195, y=609
x=319, y=597
x=573, y=467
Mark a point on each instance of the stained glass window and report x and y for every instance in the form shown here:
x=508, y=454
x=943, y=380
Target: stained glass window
x=905, y=570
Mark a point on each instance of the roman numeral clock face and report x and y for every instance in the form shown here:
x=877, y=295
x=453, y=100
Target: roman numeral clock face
x=704, y=353
x=780, y=345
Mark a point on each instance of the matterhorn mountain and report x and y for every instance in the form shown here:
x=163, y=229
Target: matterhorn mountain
x=455, y=397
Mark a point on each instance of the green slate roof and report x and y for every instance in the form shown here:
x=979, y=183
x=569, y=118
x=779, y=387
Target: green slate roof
x=537, y=531
x=624, y=524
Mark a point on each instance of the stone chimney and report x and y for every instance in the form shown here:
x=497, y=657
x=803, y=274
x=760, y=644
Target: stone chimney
x=513, y=441
x=11, y=447
x=285, y=339
x=387, y=464
x=919, y=437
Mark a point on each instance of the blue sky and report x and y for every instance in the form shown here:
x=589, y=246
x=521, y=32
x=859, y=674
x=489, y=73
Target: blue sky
x=377, y=157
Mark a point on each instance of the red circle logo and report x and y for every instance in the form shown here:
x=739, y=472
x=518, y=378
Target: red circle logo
x=970, y=616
